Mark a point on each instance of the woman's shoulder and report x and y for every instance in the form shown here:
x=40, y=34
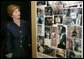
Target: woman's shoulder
x=8, y=24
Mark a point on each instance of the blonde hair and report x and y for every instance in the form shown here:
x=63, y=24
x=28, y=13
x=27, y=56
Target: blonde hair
x=11, y=8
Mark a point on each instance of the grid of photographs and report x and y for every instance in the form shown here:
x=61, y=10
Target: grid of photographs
x=59, y=28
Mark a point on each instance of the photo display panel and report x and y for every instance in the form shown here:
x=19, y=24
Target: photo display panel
x=59, y=28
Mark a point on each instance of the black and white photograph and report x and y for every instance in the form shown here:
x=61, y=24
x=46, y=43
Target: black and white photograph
x=39, y=29
x=40, y=3
x=49, y=51
x=48, y=11
x=40, y=19
x=74, y=31
x=72, y=54
x=47, y=32
x=72, y=16
x=62, y=37
x=45, y=49
x=40, y=11
x=67, y=20
x=58, y=19
x=49, y=3
x=40, y=48
x=40, y=39
x=48, y=21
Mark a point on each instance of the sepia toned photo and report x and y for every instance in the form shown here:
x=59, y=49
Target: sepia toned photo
x=74, y=35
x=49, y=51
x=69, y=43
x=57, y=9
x=53, y=36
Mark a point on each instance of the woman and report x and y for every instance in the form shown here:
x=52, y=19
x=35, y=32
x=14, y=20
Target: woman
x=17, y=35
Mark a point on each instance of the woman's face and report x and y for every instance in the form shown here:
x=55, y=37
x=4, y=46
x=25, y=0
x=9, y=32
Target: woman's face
x=16, y=14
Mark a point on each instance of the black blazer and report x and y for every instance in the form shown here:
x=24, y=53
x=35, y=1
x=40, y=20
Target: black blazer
x=12, y=42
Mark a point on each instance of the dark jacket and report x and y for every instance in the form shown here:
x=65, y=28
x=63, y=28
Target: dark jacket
x=17, y=43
